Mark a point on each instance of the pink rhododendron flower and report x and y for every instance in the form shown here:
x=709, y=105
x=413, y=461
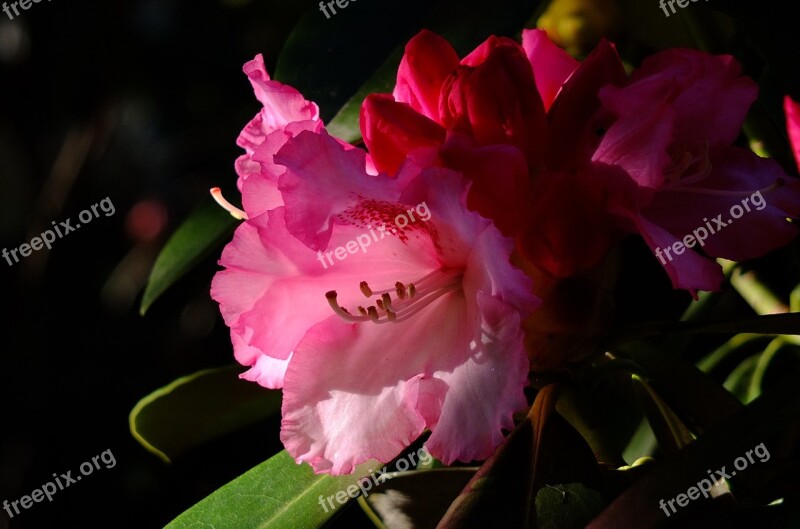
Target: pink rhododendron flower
x=669, y=137
x=408, y=326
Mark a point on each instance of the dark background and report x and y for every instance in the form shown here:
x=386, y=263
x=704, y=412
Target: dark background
x=141, y=102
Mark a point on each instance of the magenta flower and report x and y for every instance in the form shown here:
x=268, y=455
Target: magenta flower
x=382, y=306
x=687, y=191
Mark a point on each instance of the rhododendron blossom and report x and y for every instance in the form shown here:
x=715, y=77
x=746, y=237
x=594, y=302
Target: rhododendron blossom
x=514, y=149
x=670, y=137
x=420, y=332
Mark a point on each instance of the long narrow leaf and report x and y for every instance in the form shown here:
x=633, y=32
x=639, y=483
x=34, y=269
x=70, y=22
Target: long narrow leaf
x=197, y=408
x=277, y=494
x=204, y=230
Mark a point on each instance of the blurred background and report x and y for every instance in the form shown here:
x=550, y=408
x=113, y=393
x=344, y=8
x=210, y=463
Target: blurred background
x=141, y=101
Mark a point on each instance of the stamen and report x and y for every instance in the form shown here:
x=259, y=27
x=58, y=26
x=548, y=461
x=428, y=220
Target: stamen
x=430, y=278
x=365, y=289
x=235, y=212
x=410, y=299
x=331, y=297
x=387, y=302
x=373, y=313
x=688, y=166
x=423, y=302
x=401, y=290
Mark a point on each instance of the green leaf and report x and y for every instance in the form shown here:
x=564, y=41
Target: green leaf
x=197, y=408
x=277, y=494
x=671, y=433
x=689, y=391
x=738, y=382
x=567, y=506
x=543, y=449
x=641, y=444
x=769, y=324
x=763, y=421
x=327, y=60
x=421, y=497
x=345, y=124
x=205, y=229
x=765, y=360
x=741, y=344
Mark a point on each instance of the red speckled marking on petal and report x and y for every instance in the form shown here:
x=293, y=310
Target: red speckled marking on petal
x=370, y=214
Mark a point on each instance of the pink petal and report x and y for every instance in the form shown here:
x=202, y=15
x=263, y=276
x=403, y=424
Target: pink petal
x=465, y=385
x=729, y=190
x=573, y=123
x=792, y=110
x=638, y=140
x=552, y=66
x=352, y=390
x=259, y=262
x=428, y=61
x=493, y=98
x=267, y=372
x=391, y=130
x=483, y=389
x=499, y=176
x=282, y=103
x=260, y=191
x=238, y=291
x=554, y=236
x=690, y=270
x=709, y=94
x=318, y=161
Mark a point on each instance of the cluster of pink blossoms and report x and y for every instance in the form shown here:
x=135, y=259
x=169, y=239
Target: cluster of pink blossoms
x=526, y=159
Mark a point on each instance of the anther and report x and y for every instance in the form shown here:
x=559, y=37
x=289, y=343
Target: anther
x=401, y=290
x=365, y=289
x=387, y=301
x=373, y=313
